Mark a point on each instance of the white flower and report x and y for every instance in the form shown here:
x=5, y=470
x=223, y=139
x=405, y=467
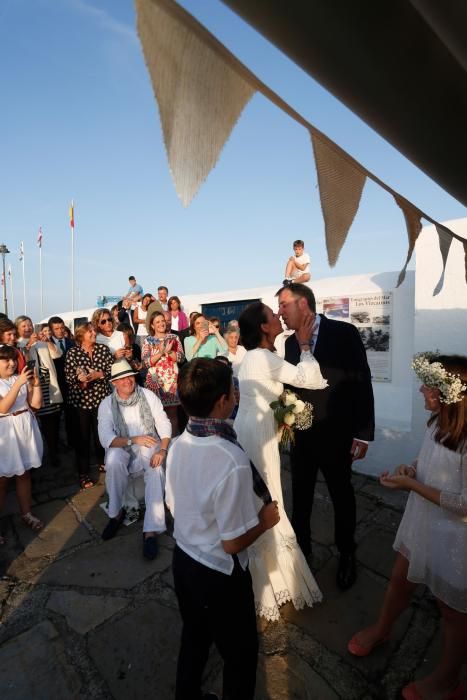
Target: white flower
x=299, y=406
x=435, y=376
x=289, y=398
x=289, y=419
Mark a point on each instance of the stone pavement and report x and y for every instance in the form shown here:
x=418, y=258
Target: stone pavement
x=83, y=618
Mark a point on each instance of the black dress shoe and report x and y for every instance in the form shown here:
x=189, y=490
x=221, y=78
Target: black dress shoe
x=150, y=547
x=112, y=526
x=346, y=571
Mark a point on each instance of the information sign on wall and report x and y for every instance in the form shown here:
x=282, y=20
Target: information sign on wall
x=372, y=316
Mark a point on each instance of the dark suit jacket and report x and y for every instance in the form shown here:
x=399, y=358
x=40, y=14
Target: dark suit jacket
x=346, y=408
x=60, y=367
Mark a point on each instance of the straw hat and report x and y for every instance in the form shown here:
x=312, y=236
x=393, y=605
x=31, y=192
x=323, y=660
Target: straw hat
x=120, y=369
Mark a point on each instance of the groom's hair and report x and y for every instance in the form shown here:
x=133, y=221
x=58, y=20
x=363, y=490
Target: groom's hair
x=300, y=290
x=201, y=383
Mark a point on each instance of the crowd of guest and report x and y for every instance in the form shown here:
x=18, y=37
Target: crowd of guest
x=134, y=376
x=152, y=332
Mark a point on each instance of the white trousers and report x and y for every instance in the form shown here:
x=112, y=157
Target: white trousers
x=116, y=481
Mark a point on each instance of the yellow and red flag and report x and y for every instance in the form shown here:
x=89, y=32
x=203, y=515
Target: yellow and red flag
x=72, y=215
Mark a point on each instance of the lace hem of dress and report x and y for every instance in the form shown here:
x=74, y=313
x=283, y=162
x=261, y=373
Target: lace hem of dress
x=272, y=614
x=268, y=543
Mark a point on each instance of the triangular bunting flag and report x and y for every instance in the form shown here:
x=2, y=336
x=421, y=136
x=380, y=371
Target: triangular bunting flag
x=340, y=190
x=445, y=240
x=414, y=225
x=200, y=94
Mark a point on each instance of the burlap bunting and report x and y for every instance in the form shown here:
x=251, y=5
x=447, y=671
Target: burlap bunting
x=445, y=240
x=201, y=89
x=340, y=190
x=413, y=223
x=200, y=96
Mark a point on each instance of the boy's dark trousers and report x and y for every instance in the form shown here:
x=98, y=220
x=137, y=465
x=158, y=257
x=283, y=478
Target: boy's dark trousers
x=215, y=608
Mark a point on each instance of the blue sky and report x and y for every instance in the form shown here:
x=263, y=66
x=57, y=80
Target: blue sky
x=80, y=121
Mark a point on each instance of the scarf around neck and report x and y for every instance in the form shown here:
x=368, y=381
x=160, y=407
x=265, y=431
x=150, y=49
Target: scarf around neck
x=206, y=427
x=136, y=399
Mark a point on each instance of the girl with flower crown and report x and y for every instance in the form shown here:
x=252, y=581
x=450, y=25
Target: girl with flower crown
x=432, y=538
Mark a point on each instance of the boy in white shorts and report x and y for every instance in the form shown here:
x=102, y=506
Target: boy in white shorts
x=298, y=265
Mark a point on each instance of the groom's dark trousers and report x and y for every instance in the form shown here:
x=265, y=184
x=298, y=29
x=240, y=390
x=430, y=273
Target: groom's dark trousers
x=342, y=412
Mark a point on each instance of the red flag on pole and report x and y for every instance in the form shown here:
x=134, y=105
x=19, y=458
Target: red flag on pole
x=72, y=215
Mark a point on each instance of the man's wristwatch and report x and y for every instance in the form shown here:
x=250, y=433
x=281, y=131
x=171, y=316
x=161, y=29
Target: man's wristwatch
x=129, y=442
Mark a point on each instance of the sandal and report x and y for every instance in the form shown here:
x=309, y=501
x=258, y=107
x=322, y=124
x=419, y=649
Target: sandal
x=86, y=482
x=31, y=521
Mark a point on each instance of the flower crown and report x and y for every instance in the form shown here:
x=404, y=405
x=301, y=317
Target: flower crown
x=433, y=375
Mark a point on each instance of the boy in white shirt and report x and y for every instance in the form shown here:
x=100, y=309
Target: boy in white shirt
x=209, y=490
x=298, y=265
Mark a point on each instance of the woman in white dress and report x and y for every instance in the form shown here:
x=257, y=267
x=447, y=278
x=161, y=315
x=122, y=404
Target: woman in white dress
x=277, y=565
x=20, y=437
x=432, y=538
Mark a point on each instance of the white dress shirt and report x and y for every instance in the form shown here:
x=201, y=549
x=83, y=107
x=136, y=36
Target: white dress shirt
x=209, y=491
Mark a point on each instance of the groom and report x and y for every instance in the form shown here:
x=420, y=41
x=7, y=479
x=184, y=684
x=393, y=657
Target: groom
x=343, y=423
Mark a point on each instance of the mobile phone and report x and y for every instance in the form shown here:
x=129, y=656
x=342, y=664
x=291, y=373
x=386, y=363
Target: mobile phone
x=206, y=325
x=30, y=365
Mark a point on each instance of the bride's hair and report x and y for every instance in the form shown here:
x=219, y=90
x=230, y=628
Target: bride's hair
x=249, y=322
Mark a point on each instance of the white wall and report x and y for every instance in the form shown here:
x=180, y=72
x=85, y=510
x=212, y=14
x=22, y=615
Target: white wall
x=420, y=322
x=439, y=322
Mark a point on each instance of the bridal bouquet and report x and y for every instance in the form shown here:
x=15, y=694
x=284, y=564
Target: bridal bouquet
x=291, y=413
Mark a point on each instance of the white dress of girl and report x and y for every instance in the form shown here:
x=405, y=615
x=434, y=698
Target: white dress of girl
x=434, y=538
x=277, y=565
x=20, y=437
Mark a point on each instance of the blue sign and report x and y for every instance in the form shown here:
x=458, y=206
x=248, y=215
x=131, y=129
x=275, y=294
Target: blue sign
x=226, y=311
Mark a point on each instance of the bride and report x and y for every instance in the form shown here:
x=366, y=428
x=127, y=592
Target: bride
x=277, y=565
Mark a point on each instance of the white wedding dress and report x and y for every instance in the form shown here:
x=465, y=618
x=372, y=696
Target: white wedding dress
x=277, y=565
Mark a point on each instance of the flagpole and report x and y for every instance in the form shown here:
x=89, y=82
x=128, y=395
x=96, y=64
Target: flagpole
x=72, y=226
x=40, y=281
x=10, y=275
x=24, y=277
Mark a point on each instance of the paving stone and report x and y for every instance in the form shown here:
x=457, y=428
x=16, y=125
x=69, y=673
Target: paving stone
x=320, y=556
x=359, y=480
x=396, y=499
x=322, y=522
x=5, y=587
x=137, y=654
x=88, y=503
x=117, y=563
x=65, y=491
x=11, y=504
x=290, y=678
x=34, y=666
x=388, y=518
x=61, y=531
x=342, y=614
x=375, y=551
x=25, y=569
x=347, y=682
x=365, y=506
x=85, y=612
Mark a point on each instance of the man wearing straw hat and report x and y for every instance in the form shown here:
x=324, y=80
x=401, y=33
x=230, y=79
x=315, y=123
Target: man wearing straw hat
x=135, y=432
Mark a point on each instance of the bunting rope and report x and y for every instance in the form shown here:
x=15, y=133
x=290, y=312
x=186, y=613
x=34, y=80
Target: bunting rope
x=202, y=88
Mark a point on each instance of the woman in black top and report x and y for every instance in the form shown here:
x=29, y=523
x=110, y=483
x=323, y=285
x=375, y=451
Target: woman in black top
x=87, y=372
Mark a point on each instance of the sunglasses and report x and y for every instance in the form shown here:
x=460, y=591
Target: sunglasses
x=105, y=320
